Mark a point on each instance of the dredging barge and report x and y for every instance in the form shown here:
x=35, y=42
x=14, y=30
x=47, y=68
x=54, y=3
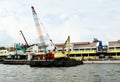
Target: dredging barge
x=56, y=59
x=56, y=62
x=49, y=58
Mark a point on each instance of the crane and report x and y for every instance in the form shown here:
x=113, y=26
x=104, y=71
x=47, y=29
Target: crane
x=67, y=42
x=39, y=30
x=24, y=38
x=17, y=46
x=64, y=54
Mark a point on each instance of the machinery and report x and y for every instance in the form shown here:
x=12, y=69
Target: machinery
x=64, y=54
x=39, y=30
x=18, y=47
x=22, y=47
x=67, y=43
x=48, y=54
x=52, y=59
x=24, y=38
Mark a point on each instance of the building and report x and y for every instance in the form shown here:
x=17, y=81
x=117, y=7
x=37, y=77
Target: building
x=94, y=50
x=114, y=49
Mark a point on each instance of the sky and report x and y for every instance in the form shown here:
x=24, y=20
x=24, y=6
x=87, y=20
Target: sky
x=82, y=20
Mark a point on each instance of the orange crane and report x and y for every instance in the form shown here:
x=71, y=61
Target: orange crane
x=39, y=30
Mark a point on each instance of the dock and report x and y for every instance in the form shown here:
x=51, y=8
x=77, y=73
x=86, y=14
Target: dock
x=102, y=62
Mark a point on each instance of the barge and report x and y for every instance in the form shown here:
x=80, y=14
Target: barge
x=15, y=62
x=58, y=62
x=54, y=59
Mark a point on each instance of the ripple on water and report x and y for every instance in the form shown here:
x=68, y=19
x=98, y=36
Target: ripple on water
x=82, y=73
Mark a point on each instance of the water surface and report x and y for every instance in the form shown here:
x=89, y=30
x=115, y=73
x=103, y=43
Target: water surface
x=81, y=73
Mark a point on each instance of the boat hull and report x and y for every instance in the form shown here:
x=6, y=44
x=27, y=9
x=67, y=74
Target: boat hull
x=15, y=62
x=59, y=62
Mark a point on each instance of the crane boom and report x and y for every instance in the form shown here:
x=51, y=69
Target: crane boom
x=24, y=38
x=39, y=30
x=67, y=42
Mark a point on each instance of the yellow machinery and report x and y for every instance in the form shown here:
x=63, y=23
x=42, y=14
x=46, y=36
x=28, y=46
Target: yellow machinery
x=64, y=54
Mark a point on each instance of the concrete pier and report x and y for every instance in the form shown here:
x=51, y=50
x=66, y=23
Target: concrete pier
x=102, y=62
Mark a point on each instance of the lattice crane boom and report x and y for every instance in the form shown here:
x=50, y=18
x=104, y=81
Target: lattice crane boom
x=24, y=38
x=39, y=30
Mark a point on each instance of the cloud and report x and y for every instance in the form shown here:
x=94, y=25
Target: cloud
x=83, y=20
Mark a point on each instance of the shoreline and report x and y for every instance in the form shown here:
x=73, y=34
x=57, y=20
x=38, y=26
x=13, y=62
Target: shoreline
x=102, y=62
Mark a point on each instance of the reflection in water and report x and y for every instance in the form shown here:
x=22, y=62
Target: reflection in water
x=82, y=73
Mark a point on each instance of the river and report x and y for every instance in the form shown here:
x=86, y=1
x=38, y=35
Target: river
x=81, y=73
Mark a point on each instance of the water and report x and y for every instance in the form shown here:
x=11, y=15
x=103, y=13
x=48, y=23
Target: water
x=81, y=73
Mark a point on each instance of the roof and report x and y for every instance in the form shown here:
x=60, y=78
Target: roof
x=114, y=43
x=80, y=44
x=87, y=44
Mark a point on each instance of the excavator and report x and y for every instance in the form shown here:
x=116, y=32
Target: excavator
x=23, y=48
x=64, y=54
x=17, y=57
x=63, y=59
x=18, y=48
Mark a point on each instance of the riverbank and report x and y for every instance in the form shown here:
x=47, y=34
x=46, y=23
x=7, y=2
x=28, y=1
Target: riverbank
x=102, y=62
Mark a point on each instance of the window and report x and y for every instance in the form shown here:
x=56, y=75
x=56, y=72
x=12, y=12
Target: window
x=91, y=54
x=59, y=50
x=78, y=55
x=76, y=49
x=111, y=48
x=93, y=49
x=118, y=48
x=72, y=55
x=41, y=51
x=112, y=54
x=87, y=49
x=81, y=49
x=118, y=54
x=84, y=54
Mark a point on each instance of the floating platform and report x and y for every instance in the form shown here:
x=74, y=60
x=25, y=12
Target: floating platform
x=15, y=62
x=58, y=62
